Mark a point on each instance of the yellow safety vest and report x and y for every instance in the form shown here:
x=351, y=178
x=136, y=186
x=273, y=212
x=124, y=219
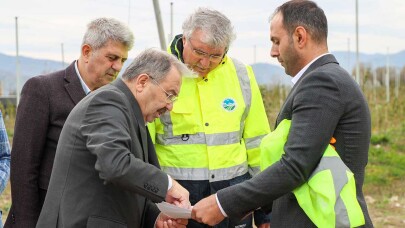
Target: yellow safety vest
x=328, y=198
x=214, y=130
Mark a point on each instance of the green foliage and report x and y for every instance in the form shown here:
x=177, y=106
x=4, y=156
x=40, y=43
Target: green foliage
x=379, y=139
x=387, y=149
x=385, y=165
x=9, y=113
x=10, y=109
x=273, y=99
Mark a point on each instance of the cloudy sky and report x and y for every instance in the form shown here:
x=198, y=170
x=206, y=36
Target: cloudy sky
x=44, y=25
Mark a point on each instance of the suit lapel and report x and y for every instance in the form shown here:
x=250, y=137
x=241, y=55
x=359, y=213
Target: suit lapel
x=72, y=84
x=142, y=129
x=138, y=117
x=329, y=58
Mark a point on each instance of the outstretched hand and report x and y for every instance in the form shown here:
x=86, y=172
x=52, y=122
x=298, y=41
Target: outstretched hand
x=164, y=221
x=207, y=211
x=178, y=195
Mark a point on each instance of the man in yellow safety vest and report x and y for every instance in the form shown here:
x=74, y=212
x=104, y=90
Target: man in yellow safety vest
x=211, y=138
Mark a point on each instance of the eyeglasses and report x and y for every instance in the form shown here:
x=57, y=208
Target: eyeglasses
x=201, y=54
x=170, y=98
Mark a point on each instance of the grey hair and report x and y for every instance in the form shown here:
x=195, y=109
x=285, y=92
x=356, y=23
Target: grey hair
x=155, y=63
x=101, y=30
x=216, y=27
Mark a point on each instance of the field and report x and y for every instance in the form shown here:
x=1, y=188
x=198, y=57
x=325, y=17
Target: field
x=385, y=173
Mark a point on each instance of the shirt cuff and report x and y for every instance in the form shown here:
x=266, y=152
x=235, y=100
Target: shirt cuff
x=220, y=207
x=170, y=184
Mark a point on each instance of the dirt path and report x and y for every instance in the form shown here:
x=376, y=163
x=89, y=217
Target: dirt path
x=387, y=205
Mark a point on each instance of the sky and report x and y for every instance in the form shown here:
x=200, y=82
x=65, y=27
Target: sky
x=45, y=26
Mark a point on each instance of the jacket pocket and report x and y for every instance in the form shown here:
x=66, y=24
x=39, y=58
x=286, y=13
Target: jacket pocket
x=184, y=118
x=183, y=107
x=100, y=222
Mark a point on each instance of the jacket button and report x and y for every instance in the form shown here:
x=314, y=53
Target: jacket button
x=212, y=176
x=207, y=124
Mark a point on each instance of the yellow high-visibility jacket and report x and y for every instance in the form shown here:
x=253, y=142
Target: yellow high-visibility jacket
x=328, y=198
x=216, y=125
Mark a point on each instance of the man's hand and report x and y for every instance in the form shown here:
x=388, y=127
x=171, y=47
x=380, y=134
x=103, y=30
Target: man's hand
x=178, y=195
x=207, y=211
x=164, y=221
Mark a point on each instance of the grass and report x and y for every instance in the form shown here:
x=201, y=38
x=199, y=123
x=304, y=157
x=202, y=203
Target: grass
x=385, y=177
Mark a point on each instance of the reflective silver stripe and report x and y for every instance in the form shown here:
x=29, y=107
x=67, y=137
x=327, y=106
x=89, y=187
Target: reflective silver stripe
x=168, y=124
x=253, y=142
x=342, y=216
x=169, y=139
x=200, y=138
x=244, y=83
x=206, y=174
x=338, y=170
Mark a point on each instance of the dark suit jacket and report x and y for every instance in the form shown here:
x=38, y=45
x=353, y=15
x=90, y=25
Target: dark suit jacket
x=325, y=102
x=105, y=166
x=45, y=103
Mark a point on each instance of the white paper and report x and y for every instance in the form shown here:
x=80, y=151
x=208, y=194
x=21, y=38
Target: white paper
x=174, y=211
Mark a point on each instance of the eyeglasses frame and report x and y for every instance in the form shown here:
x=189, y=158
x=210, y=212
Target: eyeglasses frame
x=171, y=98
x=201, y=54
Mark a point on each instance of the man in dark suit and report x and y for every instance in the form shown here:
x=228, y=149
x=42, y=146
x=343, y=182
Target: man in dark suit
x=45, y=103
x=325, y=101
x=106, y=172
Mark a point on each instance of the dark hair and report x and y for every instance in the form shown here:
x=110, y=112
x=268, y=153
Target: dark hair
x=306, y=14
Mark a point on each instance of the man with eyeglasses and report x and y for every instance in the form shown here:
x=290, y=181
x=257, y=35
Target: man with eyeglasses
x=170, y=97
x=106, y=172
x=211, y=138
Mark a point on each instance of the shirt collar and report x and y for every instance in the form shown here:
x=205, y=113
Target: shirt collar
x=84, y=86
x=302, y=71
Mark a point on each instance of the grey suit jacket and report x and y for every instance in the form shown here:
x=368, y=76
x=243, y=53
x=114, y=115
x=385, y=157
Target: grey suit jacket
x=45, y=103
x=105, y=166
x=325, y=102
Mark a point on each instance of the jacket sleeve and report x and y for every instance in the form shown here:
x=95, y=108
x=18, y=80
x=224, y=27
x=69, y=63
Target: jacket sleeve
x=119, y=155
x=28, y=145
x=256, y=125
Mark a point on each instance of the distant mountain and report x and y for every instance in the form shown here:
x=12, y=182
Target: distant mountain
x=348, y=60
x=29, y=67
x=270, y=74
x=274, y=74
x=265, y=73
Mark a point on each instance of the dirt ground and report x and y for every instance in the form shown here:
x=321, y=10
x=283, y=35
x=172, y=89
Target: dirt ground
x=387, y=205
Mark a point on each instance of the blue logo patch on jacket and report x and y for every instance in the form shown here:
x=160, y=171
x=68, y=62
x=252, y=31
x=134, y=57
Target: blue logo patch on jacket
x=229, y=104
